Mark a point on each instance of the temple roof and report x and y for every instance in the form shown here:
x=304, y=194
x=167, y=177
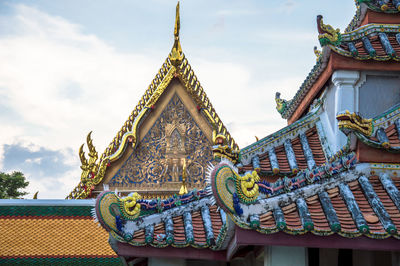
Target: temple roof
x=348, y=205
x=288, y=182
x=341, y=197
x=387, y=7
x=197, y=223
x=373, y=41
x=366, y=38
x=299, y=146
x=52, y=232
x=176, y=66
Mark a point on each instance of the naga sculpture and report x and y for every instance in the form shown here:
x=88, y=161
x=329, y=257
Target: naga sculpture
x=327, y=34
x=281, y=104
x=352, y=121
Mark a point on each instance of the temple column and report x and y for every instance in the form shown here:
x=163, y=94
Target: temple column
x=289, y=256
x=345, y=99
x=166, y=262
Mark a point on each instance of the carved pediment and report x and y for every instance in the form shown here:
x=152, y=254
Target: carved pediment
x=171, y=142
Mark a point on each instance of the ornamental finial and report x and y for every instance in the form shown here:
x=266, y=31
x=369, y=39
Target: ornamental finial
x=177, y=22
x=327, y=34
x=176, y=54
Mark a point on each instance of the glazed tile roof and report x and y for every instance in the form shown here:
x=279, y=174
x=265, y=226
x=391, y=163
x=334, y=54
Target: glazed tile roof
x=373, y=41
x=342, y=197
x=198, y=224
x=351, y=204
x=379, y=42
x=278, y=156
x=296, y=147
x=382, y=131
x=189, y=229
x=388, y=6
x=44, y=231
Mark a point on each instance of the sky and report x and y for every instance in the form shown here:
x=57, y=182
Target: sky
x=69, y=67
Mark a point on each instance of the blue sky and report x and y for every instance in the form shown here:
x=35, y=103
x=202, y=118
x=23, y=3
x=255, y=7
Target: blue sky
x=69, y=67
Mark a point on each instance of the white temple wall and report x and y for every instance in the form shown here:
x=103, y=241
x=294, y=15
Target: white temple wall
x=369, y=93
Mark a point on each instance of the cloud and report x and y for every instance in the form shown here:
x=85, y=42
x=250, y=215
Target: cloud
x=56, y=77
x=47, y=171
x=57, y=83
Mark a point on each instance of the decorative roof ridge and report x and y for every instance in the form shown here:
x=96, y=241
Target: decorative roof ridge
x=388, y=114
x=368, y=29
x=124, y=227
x=157, y=205
x=309, y=81
x=249, y=188
x=309, y=119
x=248, y=206
x=175, y=66
x=308, y=177
x=361, y=10
x=348, y=39
x=300, y=200
x=388, y=6
x=331, y=39
x=352, y=173
x=140, y=222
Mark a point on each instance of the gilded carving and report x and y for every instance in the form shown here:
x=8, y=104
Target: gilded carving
x=352, y=121
x=171, y=156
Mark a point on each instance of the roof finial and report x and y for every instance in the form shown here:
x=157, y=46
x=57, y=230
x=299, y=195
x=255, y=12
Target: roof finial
x=177, y=22
x=176, y=54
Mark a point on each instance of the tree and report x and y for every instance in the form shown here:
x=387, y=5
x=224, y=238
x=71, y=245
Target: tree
x=10, y=185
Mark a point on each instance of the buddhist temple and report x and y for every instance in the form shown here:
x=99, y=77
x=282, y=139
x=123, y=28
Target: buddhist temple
x=174, y=188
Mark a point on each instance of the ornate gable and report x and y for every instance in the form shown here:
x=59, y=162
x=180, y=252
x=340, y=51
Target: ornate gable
x=176, y=80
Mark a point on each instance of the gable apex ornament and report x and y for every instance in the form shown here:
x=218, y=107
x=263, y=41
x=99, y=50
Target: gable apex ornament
x=176, y=55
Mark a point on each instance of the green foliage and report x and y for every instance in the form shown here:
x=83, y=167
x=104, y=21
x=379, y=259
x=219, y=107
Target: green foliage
x=10, y=185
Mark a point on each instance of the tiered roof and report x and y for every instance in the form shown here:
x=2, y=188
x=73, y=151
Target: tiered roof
x=288, y=183
x=370, y=36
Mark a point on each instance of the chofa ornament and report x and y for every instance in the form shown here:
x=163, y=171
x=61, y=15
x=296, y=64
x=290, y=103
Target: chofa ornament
x=327, y=34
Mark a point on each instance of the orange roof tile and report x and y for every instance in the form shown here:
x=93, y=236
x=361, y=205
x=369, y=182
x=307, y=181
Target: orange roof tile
x=52, y=236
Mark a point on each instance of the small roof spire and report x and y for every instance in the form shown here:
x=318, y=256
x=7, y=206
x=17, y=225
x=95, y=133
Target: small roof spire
x=177, y=22
x=176, y=54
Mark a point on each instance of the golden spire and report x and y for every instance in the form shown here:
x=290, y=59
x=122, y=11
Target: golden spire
x=176, y=54
x=177, y=23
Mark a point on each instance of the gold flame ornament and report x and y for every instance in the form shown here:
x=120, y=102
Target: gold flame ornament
x=183, y=189
x=176, y=54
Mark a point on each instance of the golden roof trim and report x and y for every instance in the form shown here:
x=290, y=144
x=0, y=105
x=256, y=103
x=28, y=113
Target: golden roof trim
x=176, y=65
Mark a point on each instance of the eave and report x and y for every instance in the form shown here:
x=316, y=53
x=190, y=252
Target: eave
x=337, y=62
